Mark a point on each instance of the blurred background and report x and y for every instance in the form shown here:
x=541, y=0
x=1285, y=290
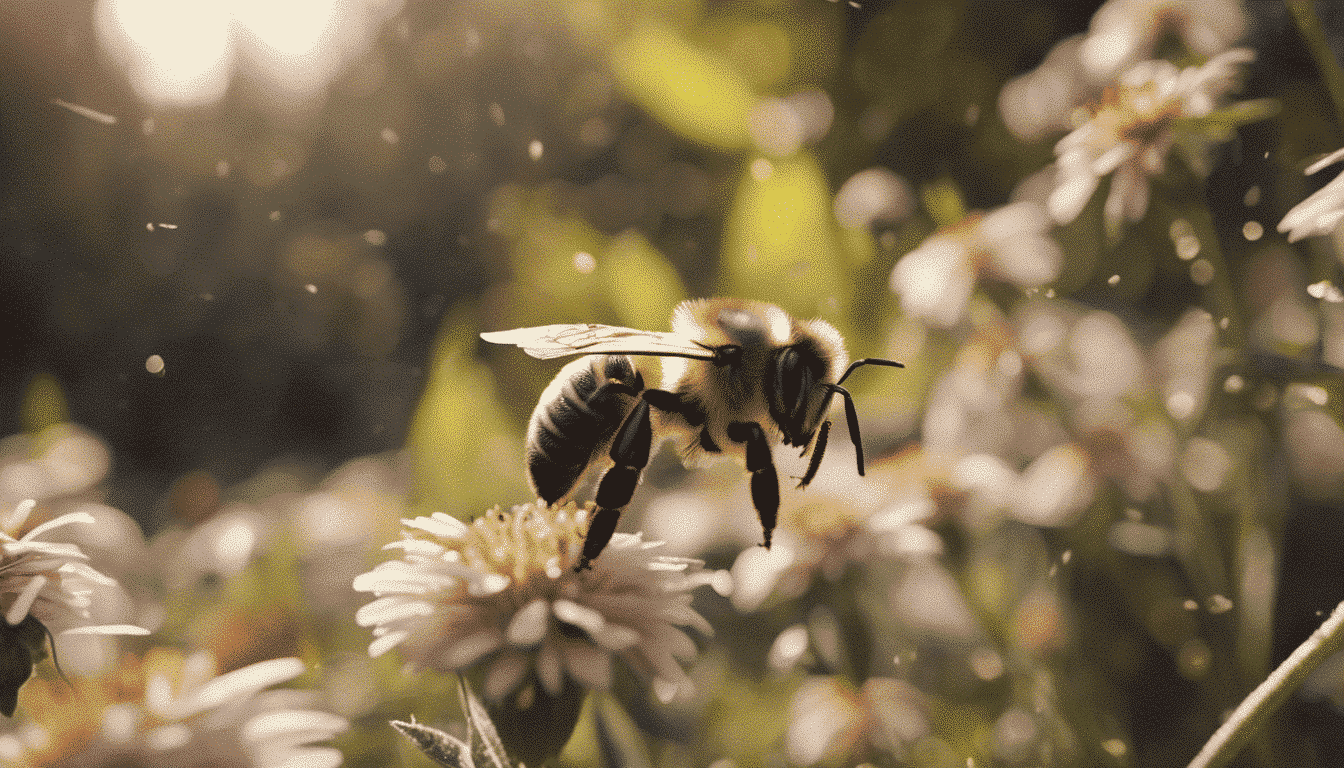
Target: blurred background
x=246, y=250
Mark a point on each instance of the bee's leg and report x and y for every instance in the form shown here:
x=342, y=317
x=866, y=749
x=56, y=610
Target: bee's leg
x=630, y=450
x=671, y=402
x=764, y=480
x=818, y=450
x=692, y=412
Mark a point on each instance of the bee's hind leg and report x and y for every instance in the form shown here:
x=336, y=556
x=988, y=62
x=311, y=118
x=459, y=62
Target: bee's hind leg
x=764, y=480
x=630, y=452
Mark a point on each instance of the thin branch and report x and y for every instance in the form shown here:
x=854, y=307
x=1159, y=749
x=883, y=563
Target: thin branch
x=1269, y=695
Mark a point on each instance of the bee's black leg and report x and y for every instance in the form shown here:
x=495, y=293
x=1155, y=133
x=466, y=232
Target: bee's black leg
x=818, y=450
x=764, y=480
x=630, y=450
x=671, y=402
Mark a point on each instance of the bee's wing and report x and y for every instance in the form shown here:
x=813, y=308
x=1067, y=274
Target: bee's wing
x=548, y=341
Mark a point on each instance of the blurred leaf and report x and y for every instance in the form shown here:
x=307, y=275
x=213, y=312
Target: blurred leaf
x=437, y=745
x=464, y=455
x=43, y=404
x=694, y=92
x=619, y=738
x=943, y=202
x=640, y=283
x=780, y=241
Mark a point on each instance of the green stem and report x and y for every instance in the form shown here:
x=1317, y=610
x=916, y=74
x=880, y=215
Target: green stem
x=1269, y=695
x=1309, y=24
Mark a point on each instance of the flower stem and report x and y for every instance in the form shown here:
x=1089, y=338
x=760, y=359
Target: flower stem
x=1309, y=25
x=1246, y=719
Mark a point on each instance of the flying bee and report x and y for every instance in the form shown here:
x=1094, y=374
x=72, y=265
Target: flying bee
x=737, y=376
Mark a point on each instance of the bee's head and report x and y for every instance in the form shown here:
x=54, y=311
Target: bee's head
x=795, y=391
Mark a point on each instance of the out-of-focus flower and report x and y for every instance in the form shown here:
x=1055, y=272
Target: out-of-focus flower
x=873, y=195
x=1131, y=132
x=48, y=580
x=829, y=721
x=842, y=521
x=43, y=586
x=165, y=709
x=935, y=281
x=1123, y=33
x=780, y=127
x=63, y=462
x=1322, y=211
x=503, y=592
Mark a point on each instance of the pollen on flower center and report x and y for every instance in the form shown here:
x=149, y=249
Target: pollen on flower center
x=529, y=542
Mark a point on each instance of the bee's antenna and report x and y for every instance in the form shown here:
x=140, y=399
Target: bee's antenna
x=852, y=417
x=867, y=361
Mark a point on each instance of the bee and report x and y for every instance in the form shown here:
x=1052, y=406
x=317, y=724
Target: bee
x=737, y=376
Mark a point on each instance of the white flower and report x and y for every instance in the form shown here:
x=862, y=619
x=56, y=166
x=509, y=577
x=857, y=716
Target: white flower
x=1320, y=213
x=165, y=709
x=503, y=592
x=935, y=281
x=49, y=580
x=1123, y=33
x=1130, y=134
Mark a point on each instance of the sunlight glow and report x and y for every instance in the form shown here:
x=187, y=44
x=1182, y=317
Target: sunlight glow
x=185, y=53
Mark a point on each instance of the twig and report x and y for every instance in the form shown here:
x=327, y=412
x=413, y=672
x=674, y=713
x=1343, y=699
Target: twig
x=1266, y=698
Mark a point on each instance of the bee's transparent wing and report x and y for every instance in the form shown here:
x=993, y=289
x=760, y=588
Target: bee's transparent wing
x=548, y=341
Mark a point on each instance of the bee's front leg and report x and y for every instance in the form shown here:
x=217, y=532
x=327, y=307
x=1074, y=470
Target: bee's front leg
x=630, y=452
x=764, y=480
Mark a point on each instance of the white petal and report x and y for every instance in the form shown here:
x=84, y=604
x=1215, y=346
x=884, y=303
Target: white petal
x=580, y=616
x=294, y=727
x=386, y=643
x=589, y=665
x=386, y=610
x=107, y=629
x=245, y=682
x=505, y=675
x=529, y=624
x=66, y=519
x=467, y=650
x=548, y=668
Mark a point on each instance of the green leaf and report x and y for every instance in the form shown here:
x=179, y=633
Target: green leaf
x=43, y=404
x=780, y=241
x=487, y=751
x=440, y=747
x=640, y=283
x=460, y=431
x=694, y=92
x=618, y=738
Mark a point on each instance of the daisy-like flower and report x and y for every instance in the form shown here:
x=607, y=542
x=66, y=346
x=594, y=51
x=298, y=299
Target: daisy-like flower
x=1321, y=212
x=1132, y=131
x=1122, y=33
x=1012, y=243
x=171, y=709
x=503, y=592
x=48, y=583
